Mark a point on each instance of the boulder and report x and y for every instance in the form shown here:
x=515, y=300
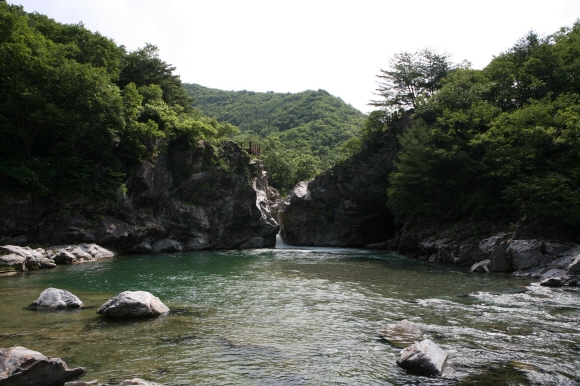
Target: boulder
x=495, y=249
x=559, y=281
x=12, y=262
x=526, y=254
x=423, y=358
x=482, y=266
x=33, y=258
x=139, y=382
x=401, y=334
x=73, y=254
x=133, y=304
x=57, y=299
x=20, y=366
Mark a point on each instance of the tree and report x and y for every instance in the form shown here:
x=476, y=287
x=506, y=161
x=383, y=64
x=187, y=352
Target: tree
x=411, y=76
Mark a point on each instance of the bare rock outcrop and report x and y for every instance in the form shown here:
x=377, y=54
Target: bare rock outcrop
x=21, y=366
x=205, y=197
x=133, y=304
x=344, y=206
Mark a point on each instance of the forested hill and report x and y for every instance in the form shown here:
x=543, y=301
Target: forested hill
x=79, y=114
x=301, y=134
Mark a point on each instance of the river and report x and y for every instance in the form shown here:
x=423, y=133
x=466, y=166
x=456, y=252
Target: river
x=293, y=316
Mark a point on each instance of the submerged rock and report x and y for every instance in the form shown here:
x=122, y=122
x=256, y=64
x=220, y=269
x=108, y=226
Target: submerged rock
x=82, y=383
x=139, y=382
x=133, y=304
x=57, y=299
x=20, y=366
x=424, y=358
x=401, y=333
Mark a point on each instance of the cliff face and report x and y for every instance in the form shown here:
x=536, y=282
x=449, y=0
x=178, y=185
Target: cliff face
x=346, y=205
x=203, y=198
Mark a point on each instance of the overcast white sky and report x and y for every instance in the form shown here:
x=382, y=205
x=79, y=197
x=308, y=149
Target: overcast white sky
x=292, y=46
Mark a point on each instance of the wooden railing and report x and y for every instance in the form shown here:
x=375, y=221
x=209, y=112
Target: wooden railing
x=253, y=148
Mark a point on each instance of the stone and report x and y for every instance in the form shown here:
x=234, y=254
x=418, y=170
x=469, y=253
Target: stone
x=402, y=333
x=574, y=266
x=482, y=266
x=139, y=382
x=57, y=299
x=82, y=383
x=526, y=254
x=133, y=304
x=495, y=249
x=74, y=254
x=13, y=261
x=423, y=358
x=25, y=252
x=64, y=257
x=559, y=281
x=20, y=366
x=33, y=258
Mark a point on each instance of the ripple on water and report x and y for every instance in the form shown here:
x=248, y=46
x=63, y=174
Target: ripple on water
x=299, y=316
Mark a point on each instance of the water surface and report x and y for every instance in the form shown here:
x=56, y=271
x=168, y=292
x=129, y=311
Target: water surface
x=298, y=316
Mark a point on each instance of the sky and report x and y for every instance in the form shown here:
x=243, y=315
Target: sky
x=291, y=46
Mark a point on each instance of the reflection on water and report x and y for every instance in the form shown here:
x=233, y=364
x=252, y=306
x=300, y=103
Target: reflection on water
x=298, y=316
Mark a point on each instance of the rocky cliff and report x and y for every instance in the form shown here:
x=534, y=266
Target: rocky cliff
x=346, y=205
x=205, y=197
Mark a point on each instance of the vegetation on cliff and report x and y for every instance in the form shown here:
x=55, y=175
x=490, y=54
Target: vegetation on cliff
x=79, y=112
x=498, y=143
x=301, y=134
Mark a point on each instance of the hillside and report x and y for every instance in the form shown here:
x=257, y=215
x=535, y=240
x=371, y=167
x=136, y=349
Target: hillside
x=301, y=134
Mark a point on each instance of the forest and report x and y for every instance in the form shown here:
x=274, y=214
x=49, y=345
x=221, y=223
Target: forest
x=501, y=143
x=79, y=113
x=300, y=134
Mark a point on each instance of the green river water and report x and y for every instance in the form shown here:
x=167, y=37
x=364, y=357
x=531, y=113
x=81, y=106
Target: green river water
x=298, y=316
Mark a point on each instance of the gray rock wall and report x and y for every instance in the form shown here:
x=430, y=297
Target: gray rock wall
x=346, y=205
x=208, y=197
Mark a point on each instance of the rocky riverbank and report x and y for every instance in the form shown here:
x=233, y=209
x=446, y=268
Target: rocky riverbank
x=490, y=247
x=14, y=258
x=206, y=197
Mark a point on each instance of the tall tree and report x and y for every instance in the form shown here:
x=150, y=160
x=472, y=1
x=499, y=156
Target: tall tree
x=409, y=77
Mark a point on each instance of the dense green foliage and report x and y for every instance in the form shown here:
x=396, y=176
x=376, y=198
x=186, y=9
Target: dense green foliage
x=300, y=134
x=78, y=112
x=502, y=142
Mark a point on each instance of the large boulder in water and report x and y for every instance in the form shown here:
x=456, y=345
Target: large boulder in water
x=423, y=358
x=133, y=304
x=57, y=299
x=20, y=366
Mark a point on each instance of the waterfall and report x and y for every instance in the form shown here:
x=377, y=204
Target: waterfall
x=280, y=242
